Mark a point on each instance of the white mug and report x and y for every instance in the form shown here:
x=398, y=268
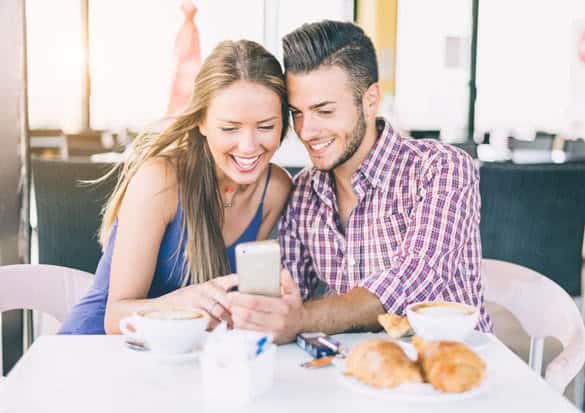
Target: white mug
x=169, y=332
x=442, y=320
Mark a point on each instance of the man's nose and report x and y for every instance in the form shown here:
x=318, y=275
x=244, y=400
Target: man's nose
x=307, y=128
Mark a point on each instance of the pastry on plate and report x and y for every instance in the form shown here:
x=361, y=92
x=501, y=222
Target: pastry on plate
x=449, y=366
x=395, y=325
x=381, y=363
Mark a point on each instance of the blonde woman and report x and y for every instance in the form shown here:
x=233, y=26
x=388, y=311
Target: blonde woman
x=187, y=196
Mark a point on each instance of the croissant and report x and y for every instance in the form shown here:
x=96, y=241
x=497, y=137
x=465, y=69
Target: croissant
x=396, y=326
x=381, y=363
x=449, y=366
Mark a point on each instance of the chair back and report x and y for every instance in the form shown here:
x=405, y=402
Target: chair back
x=46, y=288
x=69, y=212
x=542, y=141
x=425, y=134
x=543, y=309
x=575, y=149
x=534, y=215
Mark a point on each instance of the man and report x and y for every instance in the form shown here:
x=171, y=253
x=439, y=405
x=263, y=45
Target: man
x=381, y=221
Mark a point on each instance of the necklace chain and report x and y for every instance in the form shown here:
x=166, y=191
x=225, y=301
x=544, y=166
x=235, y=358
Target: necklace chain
x=230, y=203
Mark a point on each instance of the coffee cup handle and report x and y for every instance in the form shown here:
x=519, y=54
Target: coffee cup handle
x=131, y=321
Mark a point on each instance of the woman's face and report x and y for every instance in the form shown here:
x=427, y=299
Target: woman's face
x=243, y=127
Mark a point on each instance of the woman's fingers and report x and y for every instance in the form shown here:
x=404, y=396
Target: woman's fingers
x=212, y=297
x=215, y=301
x=227, y=282
x=216, y=290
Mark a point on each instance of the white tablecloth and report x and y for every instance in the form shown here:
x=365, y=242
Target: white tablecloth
x=72, y=374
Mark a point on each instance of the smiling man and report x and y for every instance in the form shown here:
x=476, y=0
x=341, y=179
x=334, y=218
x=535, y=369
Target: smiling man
x=380, y=221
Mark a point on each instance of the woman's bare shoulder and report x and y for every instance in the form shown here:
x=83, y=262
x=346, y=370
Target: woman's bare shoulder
x=155, y=182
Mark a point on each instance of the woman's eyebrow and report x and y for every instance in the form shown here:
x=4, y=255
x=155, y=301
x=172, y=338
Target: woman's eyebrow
x=239, y=123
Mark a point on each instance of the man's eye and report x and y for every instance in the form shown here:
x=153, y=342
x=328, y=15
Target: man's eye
x=325, y=112
x=296, y=114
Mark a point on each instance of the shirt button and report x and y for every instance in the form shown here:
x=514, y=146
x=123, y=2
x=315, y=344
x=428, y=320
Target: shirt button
x=351, y=261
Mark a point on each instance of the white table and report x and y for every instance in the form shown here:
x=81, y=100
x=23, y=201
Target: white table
x=98, y=374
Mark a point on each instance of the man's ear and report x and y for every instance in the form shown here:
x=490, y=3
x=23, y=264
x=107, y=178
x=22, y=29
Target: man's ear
x=371, y=100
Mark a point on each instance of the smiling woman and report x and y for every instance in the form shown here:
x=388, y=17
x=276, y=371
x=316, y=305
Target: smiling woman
x=243, y=128
x=168, y=242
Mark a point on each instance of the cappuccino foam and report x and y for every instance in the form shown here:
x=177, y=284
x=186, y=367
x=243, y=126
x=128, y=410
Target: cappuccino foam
x=173, y=315
x=443, y=309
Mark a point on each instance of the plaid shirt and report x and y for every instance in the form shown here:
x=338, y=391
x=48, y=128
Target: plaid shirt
x=413, y=235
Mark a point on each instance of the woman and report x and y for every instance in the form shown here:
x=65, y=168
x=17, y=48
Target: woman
x=188, y=196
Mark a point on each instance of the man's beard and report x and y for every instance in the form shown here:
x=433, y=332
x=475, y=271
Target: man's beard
x=355, y=139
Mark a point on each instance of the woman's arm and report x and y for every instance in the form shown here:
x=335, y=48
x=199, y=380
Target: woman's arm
x=149, y=204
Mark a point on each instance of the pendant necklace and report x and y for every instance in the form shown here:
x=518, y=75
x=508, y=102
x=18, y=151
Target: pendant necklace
x=228, y=203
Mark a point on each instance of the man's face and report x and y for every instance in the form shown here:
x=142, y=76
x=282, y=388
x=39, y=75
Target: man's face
x=325, y=115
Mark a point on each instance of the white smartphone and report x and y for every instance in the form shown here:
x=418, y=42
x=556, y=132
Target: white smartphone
x=258, y=267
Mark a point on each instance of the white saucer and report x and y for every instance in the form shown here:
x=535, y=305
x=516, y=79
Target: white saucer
x=476, y=340
x=181, y=357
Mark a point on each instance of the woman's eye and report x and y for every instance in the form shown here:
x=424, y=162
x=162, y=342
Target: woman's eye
x=228, y=129
x=267, y=127
x=296, y=114
x=325, y=112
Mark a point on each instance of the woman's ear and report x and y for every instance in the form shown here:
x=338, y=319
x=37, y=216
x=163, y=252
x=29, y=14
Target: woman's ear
x=371, y=100
x=203, y=129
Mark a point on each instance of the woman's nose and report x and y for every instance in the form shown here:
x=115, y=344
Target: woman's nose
x=248, y=143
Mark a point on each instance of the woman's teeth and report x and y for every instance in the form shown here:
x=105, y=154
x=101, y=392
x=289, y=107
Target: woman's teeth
x=245, y=162
x=320, y=146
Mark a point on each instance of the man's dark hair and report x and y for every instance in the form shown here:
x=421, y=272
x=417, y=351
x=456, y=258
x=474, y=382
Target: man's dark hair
x=332, y=43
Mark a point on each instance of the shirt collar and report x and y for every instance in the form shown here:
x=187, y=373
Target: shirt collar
x=377, y=165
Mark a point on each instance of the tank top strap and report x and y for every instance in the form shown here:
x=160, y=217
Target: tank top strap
x=266, y=183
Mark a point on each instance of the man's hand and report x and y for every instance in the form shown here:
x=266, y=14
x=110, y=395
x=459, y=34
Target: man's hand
x=283, y=316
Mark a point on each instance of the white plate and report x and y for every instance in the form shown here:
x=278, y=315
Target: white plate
x=413, y=392
x=409, y=392
x=476, y=340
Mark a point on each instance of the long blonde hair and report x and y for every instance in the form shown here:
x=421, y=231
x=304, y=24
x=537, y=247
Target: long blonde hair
x=183, y=143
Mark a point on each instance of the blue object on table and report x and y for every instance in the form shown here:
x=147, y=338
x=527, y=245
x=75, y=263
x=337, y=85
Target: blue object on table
x=260, y=345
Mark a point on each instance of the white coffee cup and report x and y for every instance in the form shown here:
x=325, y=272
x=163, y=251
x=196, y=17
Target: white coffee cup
x=168, y=331
x=442, y=320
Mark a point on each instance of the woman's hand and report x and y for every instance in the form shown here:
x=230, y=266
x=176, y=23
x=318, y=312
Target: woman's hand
x=210, y=296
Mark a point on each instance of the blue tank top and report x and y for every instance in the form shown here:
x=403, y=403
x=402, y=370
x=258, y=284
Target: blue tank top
x=87, y=317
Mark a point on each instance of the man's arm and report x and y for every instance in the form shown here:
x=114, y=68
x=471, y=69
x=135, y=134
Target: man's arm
x=441, y=224
x=355, y=311
x=285, y=317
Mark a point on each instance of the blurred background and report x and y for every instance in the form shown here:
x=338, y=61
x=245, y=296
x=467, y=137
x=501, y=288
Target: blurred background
x=503, y=80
